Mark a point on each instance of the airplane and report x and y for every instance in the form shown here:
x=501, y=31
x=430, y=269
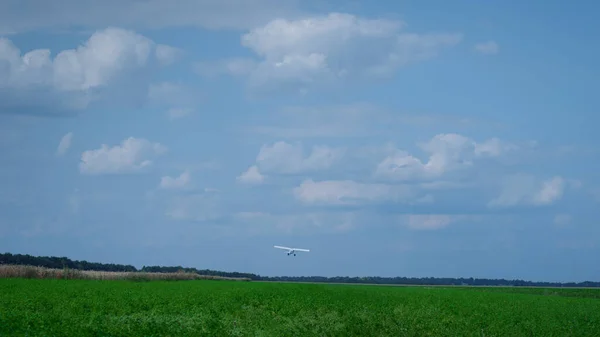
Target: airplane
x=292, y=250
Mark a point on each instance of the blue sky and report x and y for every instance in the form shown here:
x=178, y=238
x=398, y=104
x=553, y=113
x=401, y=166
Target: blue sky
x=391, y=138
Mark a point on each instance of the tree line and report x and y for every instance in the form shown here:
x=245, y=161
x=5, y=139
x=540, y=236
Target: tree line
x=64, y=262
x=61, y=263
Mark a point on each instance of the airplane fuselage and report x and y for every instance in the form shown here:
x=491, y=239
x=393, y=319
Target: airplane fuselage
x=292, y=251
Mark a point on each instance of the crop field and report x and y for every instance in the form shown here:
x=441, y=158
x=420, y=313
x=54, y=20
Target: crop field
x=51, y=307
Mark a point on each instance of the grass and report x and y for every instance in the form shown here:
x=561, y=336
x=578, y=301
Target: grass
x=51, y=307
x=20, y=271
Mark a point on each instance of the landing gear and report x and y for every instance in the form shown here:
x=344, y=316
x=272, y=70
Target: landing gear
x=294, y=254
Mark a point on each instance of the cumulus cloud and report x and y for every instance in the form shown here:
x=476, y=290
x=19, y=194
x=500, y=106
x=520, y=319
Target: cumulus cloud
x=132, y=155
x=493, y=147
x=523, y=189
x=180, y=182
x=251, y=176
x=299, y=53
x=487, y=48
x=348, y=192
x=65, y=144
x=550, y=191
x=446, y=152
x=26, y=15
x=287, y=158
x=73, y=78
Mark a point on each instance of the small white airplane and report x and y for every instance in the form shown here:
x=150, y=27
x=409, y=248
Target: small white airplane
x=292, y=251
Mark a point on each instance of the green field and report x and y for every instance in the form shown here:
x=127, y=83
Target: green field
x=46, y=307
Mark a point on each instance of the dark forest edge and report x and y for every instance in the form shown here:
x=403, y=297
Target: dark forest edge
x=64, y=262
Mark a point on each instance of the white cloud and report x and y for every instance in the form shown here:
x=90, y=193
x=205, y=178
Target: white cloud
x=286, y=158
x=488, y=48
x=251, y=176
x=74, y=77
x=550, y=191
x=90, y=65
x=340, y=192
x=522, y=189
x=101, y=58
x=130, y=156
x=24, y=15
x=180, y=182
x=447, y=152
x=493, y=148
x=65, y=144
x=326, y=48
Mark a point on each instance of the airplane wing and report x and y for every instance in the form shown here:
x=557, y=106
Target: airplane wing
x=281, y=247
x=301, y=250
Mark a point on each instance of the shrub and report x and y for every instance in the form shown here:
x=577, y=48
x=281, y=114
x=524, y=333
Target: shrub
x=21, y=271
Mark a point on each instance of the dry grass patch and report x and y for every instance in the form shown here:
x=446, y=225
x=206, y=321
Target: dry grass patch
x=20, y=271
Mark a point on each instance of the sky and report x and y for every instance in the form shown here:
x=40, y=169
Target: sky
x=391, y=138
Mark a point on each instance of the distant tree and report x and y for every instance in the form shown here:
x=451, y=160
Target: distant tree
x=64, y=262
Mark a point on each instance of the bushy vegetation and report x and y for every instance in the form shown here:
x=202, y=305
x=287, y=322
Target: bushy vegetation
x=60, y=263
x=33, y=307
x=54, y=262
x=63, y=262
x=15, y=271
